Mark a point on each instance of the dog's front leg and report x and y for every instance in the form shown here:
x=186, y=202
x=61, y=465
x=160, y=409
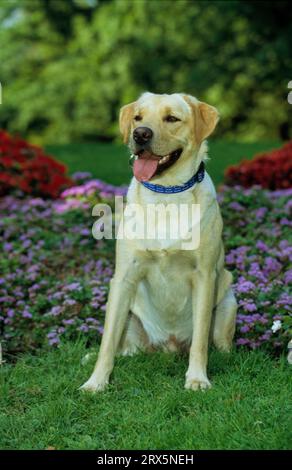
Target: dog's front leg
x=203, y=286
x=122, y=291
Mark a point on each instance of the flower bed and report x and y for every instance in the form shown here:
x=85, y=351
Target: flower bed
x=257, y=235
x=27, y=168
x=272, y=170
x=55, y=276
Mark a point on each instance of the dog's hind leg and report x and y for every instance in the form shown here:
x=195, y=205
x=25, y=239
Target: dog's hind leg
x=223, y=327
x=135, y=338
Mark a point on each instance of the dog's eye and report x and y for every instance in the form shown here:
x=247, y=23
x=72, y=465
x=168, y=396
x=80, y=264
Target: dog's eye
x=170, y=118
x=138, y=117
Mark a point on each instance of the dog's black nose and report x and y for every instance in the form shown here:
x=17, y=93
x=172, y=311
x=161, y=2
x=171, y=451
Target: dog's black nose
x=142, y=135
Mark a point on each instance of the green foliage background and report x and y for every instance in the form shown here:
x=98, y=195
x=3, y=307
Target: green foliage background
x=66, y=66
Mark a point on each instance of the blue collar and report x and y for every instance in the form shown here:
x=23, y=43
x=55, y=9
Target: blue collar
x=158, y=188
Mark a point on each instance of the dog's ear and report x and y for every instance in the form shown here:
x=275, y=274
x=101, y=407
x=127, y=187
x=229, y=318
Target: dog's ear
x=126, y=114
x=205, y=117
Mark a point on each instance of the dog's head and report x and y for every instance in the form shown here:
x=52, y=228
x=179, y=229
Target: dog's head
x=165, y=130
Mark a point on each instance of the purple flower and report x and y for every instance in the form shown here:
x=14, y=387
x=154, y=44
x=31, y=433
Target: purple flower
x=85, y=232
x=288, y=276
x=284, y=299
x=33, y=268
x=260, y=213
x=262, y=246
x=71, y=321
x=26, y=314
x=73, y=286
x=286, y=221
x=10, y=313
x=70, y=302
x=266, y=336
x=55, y=311
x=277, y=317
x=91, y=320
x=248, y=305
x=35, y=287
x=6, y=299
x=255, y=344
x=52, y=334
x=8, y=246
x=244, y=329
x=84, y=328
x=236, y=206
x=54, y=341
x=271, y=266
x=57, y=295
x=245, y=286
x=242, y=342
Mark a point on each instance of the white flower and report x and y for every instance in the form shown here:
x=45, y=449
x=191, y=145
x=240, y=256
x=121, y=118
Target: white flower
x=277, y=325
x=87, y=358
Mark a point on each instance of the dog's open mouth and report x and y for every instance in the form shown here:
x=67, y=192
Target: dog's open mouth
x=147, y=164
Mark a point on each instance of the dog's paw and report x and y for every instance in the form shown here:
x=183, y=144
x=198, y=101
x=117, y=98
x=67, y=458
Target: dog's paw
x=197, y=383
x=93, y=386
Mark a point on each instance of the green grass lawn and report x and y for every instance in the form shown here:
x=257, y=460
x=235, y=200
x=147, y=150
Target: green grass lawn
x=146, y=406
x=109, y=162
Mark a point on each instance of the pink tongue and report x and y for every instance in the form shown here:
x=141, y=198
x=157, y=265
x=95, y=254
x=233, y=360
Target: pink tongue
x=145, y=166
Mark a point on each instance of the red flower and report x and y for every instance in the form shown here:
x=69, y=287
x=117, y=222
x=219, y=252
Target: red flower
x=26, y=167
x=271, y=170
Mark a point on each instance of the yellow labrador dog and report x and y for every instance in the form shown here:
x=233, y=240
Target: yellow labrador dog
x=169, y=298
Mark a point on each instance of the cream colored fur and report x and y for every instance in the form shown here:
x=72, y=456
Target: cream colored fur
x=170, y=299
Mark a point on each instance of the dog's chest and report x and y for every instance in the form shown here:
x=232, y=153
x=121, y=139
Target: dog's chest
x=163, y=300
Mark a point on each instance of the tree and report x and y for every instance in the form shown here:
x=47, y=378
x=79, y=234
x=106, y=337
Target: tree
x=65, y=82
